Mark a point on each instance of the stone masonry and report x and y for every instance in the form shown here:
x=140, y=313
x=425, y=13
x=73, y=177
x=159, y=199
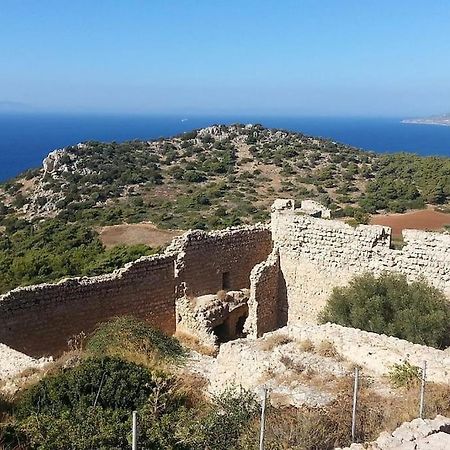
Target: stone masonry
x=290, y=268
x=317, y=255
x=39, y=320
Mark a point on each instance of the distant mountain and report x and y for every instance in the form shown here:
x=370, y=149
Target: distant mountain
x=443, y=119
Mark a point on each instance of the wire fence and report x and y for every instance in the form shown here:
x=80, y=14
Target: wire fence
x=355, y=407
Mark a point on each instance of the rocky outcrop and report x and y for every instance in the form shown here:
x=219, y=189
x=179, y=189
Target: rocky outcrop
x=300, y=364
x=375, y=353
x=419, y=434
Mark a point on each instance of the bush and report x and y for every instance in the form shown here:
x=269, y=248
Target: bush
x=89, y=406
x=417, y=312
x=222, y=424
x=127, y=335
x=404, y=375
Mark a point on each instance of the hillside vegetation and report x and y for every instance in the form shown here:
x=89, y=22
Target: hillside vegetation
x=85, y=400
x=211, y=178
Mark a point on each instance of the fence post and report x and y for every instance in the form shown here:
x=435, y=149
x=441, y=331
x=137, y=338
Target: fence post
x=135, y=432
x=355, y=401
x=422, y=390
x=263, y=419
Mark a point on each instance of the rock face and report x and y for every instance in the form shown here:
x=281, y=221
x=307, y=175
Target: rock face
x=419, y=434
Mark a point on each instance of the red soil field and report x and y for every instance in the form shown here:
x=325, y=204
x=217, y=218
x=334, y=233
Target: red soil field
x=426, y=219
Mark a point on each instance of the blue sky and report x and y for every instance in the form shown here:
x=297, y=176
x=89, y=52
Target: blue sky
x=271, y=57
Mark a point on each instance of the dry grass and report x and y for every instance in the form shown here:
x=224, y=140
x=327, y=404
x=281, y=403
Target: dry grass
x=192, y=386
x=292, y=365
x=222, y=295
x=307, y=346
x=329, y=427
x=193, y=343
x=328, y=350
x=274, y=340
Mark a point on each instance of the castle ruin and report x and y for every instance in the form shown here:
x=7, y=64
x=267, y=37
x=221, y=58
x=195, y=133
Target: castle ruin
x=242, y=281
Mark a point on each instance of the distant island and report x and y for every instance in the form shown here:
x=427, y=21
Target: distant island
x=443, y=120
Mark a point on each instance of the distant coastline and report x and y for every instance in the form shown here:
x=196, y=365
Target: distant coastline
x=443, y=120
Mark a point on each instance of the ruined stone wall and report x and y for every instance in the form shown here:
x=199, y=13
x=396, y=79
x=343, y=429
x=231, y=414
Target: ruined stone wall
x=267, y=306
x=210, y=262
x=316, y=255
x=38, y=320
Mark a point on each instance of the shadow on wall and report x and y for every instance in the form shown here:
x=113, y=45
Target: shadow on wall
x=283, y=308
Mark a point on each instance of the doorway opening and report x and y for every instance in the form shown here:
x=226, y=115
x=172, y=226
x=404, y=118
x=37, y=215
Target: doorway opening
x=226, y=281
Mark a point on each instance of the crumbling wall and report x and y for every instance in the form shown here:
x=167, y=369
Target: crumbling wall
x=317, y=255
x=315, y=209
x=267, y=305
x=38, y=320
x=219, y=260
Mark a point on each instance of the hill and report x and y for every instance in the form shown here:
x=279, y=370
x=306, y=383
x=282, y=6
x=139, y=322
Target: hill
x=209, y=178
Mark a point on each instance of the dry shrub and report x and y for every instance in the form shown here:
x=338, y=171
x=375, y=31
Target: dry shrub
x=290, y=364
x=28, y=372
x=328, y=350
x=194, y=343
x=274, y=340
x=222, y=295
x=329, y=427
x=5, y=406
x=306, y=346
x=192, y=387
x=32, y=375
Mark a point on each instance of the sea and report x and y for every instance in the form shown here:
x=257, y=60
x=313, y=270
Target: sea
x=25, y=139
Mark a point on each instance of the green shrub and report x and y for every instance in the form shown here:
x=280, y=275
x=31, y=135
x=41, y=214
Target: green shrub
x=404, y=375
x=221, y=424
x=417, y=312
x=90, y=406
x=127, y=334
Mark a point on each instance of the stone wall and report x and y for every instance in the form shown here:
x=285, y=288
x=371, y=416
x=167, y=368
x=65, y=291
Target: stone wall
x=317, y=255
x=267, y=306
x=38, y=320
x=220, y=260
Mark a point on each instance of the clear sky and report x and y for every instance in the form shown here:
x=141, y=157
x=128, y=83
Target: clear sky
x=272, y=57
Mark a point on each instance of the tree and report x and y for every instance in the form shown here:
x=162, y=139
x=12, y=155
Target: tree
x=417, y=312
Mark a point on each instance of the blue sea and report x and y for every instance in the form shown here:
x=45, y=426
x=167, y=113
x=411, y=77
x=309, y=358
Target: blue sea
x=25, y=139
